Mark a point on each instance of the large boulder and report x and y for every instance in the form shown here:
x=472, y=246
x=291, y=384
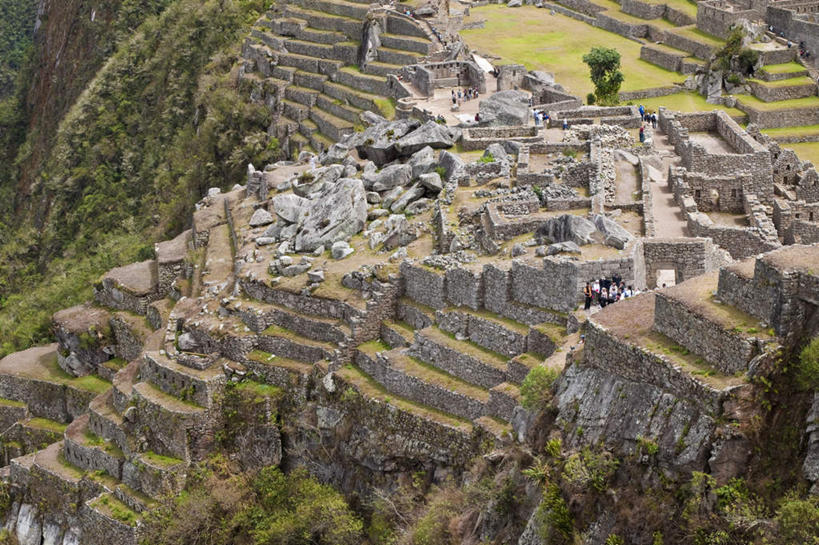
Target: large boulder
x=451, y=164
x=377, y=143
x=505, y=108
x=335, y=154
x=567, y=227
x=413, y=193
x=422, y=161
x=429, y=134
x=315, y=181
x=431, y=181
x=289, y=207
x=613, y=233
x=261, y=217
x=335, y=214
x=399, y=232
x=392, y=176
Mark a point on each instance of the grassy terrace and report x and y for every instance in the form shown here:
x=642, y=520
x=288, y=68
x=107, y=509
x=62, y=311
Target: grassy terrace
x=434, y=376
x=755, y=103
x=372, y=389
x=785, y=68
x=685, y=6
x=698, y=35
x=632, y=321
x=805, y=130
x=801, y=80
x=688, y=101
x=115, y=509
x=466, y=347
x=160, y=460
x=47, y=425
x=557, y=43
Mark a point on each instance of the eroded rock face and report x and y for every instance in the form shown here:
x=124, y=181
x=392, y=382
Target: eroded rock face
x=613, y=233
x=336, y=214
x=377, y=143
x=567, y=228
x=430, y=134
x=505, y=108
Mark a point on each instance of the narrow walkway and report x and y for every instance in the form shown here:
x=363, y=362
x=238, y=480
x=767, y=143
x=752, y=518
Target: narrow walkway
x=669, y=221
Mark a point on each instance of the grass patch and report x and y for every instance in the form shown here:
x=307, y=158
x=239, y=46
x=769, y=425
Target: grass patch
x=115, y=364
x=557, y=43
x=755, y=103
x=556, y=333
x=801, y=80
x=469, y=348
x=89, y=383
x=386, y=107
x=47, y=425
x=804, y=130
x=435, y=376
x=784, y=68
x=160, y=460
x=698, y=35
x=11, y=403
x=115, y=509
x=372, y=347
x=260, y=390
x=688, y=101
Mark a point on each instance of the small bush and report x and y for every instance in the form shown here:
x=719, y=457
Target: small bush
x=591, y=99
x=441, y=172
x=807, y=373
x=798, y=520
x=487, y=158
x=536, y=390
x=554, y=521
x=614, y=539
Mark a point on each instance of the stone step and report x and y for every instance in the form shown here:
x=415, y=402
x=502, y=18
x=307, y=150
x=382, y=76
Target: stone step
x=91, y=452
x=331, y=126
x=350, y=27
x=282, y=372
x=397, y=56
x=347, y=52
x=310, y=64
x=336, y=7
x=301, y=95
x=298, y=141
x=415, y=314
x=50, y=461
x=259, y=316
x=500, y=335
x=368, y=387
x=287, y=125
x=170, y=420
x=503, y=399
x=339, y=109
x=218, y=269
x=308, y=127
x=772, y=73
x=351, y=77
x=724, y=336
x=284, y=73
x=321, y=36
x=353, y=97
x=154, y=475
x=310, y=49
x=264, y=36
x=320, y=142
x=397, y=334
x=295, y=111
x=309, y=80
x=289, y=344
x=406, y=43
x=130, y=287
x=408, y=377
x=518, y=367
x=780, y=90
x=106, y=519
x=463, y=359
x=106, y=422
x=378, y=68
x=199, y=386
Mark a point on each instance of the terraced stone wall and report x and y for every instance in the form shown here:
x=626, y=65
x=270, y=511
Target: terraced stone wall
x=665, y=59
x=717, y=17
x=802, y=232
x=781, y=92
x=688, y=258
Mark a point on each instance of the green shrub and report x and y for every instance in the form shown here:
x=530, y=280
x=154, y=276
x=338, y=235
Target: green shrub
x=591, y=99
x=798, y=520
x=554, y=521
x=536, y=389
x=614, y=539
x=487, y=158
x=807, y=373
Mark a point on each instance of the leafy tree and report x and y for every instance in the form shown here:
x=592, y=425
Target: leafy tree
x=536, y=389
x=604, y=64
x=807, y=372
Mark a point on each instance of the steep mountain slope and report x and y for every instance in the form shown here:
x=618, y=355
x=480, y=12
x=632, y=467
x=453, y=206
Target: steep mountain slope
x=100, y=152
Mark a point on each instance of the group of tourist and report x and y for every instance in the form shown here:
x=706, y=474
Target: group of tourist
x=466, y=94
x=606, y=291
x=541, y=118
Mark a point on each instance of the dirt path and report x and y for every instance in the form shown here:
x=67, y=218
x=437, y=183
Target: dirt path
x=625, y=182
x=668, y=218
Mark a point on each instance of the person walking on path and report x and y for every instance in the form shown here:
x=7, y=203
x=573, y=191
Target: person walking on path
x=642, y=133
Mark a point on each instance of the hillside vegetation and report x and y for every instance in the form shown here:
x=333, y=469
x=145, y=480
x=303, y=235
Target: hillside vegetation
x=16, y=30
x=160, y=122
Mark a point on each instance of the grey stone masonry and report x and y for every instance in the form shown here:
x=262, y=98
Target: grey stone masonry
x=503, y=399
x=434, y=348
x=726, y=350
x=509, y=339
x=424, y=285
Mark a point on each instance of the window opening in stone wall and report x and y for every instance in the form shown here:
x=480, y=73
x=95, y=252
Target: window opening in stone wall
x=667, y=277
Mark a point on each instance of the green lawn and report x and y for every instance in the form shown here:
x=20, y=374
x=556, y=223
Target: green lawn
x=699, y=36
x=802, y=80
x=784, y=68
x=805, y=130
x=556, y=43
x=685, y=102
x=808, y=151
x=685, y=6
x=753, y=102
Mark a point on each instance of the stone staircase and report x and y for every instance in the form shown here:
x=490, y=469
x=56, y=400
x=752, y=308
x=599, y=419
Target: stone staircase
x=301, y=60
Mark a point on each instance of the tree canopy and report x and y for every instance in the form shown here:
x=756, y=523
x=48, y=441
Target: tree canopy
x=606, y=76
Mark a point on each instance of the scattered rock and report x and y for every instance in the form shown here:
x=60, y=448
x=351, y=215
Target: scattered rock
x=315, y=276
x=413, y=193
x=376, y=213
x=289, y=207
x=430, y=134
x=514, y=3
x=431, y=181
x=336, y=214
x=567, y=227
x=390, y=177
x=187, y=343
x=518, y=250
x=422, y=161
x=340, y=250
x=261, y=217
x=614, y=234
x=563, y=247
x=451, y=163
x=419, y=206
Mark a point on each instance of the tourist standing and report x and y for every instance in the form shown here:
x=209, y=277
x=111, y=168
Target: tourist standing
x=642, y=133
x=587, y=293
